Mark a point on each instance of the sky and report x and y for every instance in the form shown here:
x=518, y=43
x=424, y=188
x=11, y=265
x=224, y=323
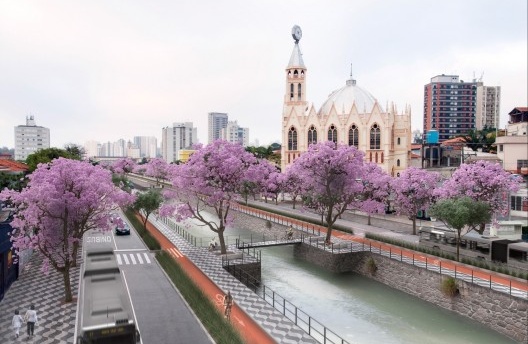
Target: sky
x=106, y=70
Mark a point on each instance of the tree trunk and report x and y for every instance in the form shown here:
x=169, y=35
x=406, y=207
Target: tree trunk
x=458, y=245
x=67, y=284
x=481, y=228
x=414, y=225
x=368, y=219
x=145, y=221
x=75, y=250
x=223, y=248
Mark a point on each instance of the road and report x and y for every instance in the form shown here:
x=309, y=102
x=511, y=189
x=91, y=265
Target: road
x=161, y=313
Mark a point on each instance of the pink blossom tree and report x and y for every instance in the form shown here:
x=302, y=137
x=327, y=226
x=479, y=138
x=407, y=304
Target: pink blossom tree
x=63, y=200
x=275, y=185
x=158, y=169
x=482, y=181
x=332, y=179
x=376, y=190
x=414, y=191
x=210, y=181
x=293, y=185
x=124, y=166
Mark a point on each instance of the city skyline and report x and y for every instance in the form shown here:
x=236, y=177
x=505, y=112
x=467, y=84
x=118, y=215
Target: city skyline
x=84, y=71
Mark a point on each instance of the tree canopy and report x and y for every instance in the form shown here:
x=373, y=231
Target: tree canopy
x=331, y=176
x=43, y=156
x=414, y=191
x=62, y=200
x=459, y=213
x=211, y=179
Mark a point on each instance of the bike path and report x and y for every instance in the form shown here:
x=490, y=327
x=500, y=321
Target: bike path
x=245, y=325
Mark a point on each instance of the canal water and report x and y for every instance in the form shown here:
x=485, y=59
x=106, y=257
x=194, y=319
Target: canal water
x=360, y=310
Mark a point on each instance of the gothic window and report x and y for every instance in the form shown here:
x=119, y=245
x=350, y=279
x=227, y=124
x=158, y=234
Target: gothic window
x=382, y=158
x=398, y=162
x=291, y=91
x=332, y=134
x=312, y=135
x=299, y=88
x=353, y=136
x=375, y=137
x=399, y=141
x=295, y=74
x=292, y=139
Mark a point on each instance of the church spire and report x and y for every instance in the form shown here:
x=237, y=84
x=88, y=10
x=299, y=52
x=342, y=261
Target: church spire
x=351, y=81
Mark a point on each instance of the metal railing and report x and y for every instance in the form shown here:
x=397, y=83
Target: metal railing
x=302, y=319
x=457, y=270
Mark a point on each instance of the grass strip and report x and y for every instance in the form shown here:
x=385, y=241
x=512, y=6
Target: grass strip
x=149, y=240
x=215, y=323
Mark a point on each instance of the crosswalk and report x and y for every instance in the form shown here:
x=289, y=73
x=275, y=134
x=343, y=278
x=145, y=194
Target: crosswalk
x=133, y=258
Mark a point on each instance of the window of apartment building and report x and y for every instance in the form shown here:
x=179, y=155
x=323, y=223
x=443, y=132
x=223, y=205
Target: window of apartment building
x=522, y=163
x=501, y=148
x=518, y=203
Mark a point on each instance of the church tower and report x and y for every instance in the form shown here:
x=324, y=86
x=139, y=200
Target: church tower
x=295, y=103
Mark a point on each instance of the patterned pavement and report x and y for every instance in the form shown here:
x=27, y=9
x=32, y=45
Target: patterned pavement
x=56, y=319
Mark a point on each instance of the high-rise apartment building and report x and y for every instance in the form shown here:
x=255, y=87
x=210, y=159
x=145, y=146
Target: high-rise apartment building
x=450, y=106
x=235, y=134
x=217, y=121
x=178, y=137
x=29, y=138
x=148, y=146
x=488, y=107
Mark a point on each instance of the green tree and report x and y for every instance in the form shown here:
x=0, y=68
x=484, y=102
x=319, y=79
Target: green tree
x=148, y=202
x=46, y=155
x=460, y=213
x=76, y=151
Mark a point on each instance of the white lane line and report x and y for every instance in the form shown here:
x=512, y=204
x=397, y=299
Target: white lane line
x=133, y=259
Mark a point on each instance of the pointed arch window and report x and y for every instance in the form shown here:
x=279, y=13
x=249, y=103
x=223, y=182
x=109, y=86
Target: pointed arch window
x=353, y=136
x=292, y=89
x=312, y=135
x=399, y=141
x=398, y=162
x=292, y=139
x=299, y=91
x=295, y=73
x=375, y=137
x=332, y=134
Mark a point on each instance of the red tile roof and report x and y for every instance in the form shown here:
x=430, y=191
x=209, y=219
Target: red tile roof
x=12, y=166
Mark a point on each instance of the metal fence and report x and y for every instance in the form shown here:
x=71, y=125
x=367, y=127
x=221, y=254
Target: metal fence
x=302, y=319
x=483, y=278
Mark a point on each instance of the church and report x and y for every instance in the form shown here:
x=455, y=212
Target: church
x=350, y=115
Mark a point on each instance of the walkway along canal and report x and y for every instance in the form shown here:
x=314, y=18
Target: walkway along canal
x=357, y=308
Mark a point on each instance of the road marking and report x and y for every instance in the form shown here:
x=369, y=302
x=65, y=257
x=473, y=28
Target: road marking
x=119, y=262
x=133, y=259
x=126, y=259
x=146, y=257
x=175, y=253
x=139, y=259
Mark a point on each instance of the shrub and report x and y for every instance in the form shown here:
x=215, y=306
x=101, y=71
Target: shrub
x=449, y=287
x=371, y=266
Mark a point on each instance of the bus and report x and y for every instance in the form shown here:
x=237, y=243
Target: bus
x=106, y=311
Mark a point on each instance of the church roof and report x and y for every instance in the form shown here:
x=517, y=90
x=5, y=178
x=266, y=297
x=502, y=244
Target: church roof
x=346, y=96
x=296, y=59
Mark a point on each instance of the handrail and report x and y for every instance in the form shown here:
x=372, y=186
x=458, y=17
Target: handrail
x=302, y=319
x=457, y=270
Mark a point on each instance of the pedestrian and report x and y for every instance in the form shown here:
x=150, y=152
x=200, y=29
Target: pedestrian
x=17, y=323
x=31, y=318
x=228, y=303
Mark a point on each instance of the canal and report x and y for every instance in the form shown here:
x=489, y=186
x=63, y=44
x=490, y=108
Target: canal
x=359, y=309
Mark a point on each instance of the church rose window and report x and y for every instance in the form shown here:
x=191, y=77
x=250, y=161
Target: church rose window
x=353, y=136
x=312, y=135
x=292, y=139
x=375, y=137
x=332, y=134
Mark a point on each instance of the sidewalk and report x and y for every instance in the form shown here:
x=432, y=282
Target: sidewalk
x=56, y=319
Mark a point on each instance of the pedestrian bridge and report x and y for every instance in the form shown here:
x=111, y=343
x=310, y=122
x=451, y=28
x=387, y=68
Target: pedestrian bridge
x=268, y=243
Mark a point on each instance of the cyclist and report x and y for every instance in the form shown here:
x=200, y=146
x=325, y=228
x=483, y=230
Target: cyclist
x=228, y=303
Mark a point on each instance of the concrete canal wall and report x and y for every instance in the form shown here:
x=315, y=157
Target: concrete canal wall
x=498, y=311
